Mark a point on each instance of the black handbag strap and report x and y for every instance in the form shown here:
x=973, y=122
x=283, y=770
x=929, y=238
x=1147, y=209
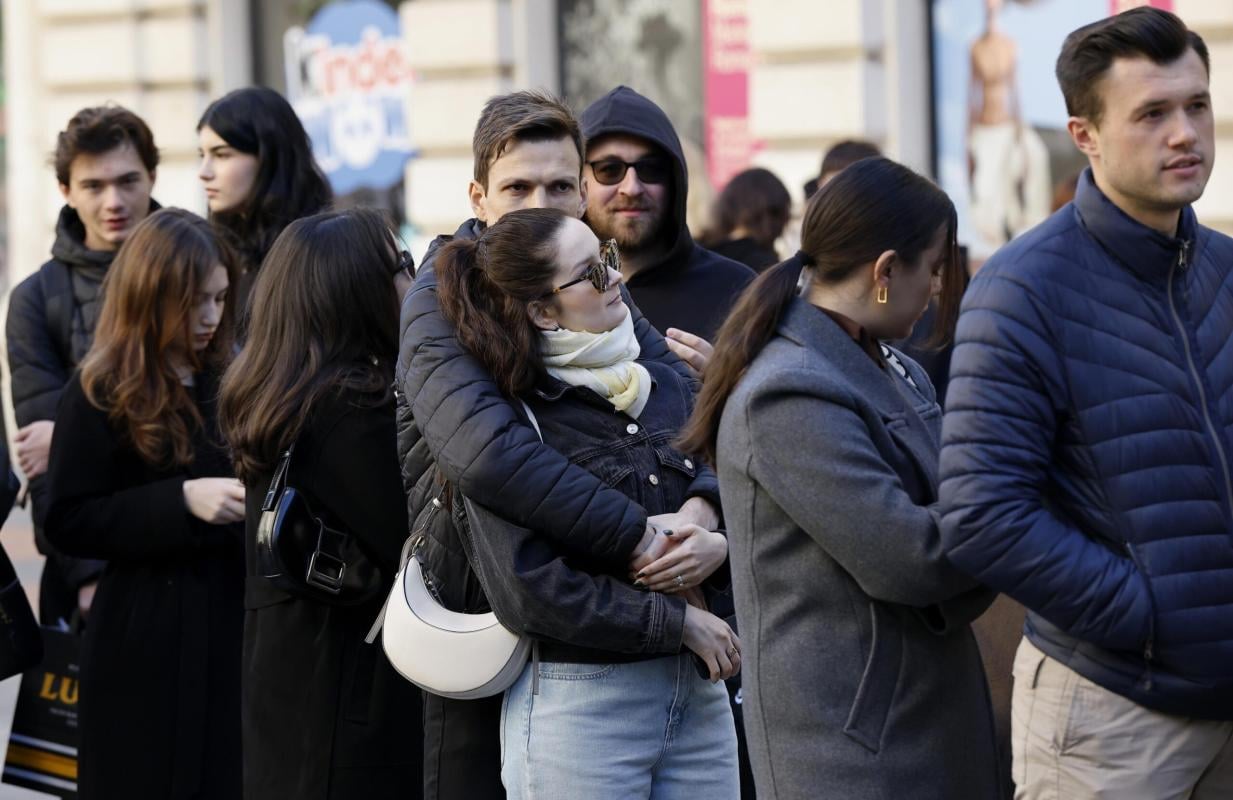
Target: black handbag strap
x=280, y=478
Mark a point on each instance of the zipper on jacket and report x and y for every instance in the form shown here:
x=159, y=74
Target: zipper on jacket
x=1149, y=647
x=1183, y=264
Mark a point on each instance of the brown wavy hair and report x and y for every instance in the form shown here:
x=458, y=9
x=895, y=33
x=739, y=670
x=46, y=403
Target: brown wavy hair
x=144, y=334
x=324, y=317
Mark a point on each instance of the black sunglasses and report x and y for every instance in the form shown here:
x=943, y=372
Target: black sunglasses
x=611, y=171
x=597, y=273
x=405, y=263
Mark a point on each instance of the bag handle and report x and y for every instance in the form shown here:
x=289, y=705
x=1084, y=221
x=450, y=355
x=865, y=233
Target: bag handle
x=531, y=419
x=411, y=547
x=280, y=477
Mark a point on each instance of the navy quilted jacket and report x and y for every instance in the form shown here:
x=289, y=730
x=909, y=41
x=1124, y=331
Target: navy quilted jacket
x=1088, y=445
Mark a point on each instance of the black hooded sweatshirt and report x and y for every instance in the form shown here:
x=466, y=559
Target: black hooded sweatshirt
x=49, y=329
x=690, y=287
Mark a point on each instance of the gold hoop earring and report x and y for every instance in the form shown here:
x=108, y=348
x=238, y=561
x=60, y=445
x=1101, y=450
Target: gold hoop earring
x=883, y=294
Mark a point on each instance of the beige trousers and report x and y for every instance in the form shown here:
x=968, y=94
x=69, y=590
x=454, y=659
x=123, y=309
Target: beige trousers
x=1073, y=740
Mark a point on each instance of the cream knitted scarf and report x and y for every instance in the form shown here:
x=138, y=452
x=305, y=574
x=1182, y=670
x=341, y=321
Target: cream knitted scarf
x=604, y=362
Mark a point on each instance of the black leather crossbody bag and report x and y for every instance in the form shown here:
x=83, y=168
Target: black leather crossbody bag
x=300, y=552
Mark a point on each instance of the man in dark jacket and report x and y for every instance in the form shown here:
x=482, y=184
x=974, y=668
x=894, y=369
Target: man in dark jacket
x=636, y=192
x=455, y=425
x=1088, y=442
x=105, y=161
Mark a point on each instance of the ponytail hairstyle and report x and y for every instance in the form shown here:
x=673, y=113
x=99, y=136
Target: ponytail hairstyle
x=873, y=206
x=485, y=285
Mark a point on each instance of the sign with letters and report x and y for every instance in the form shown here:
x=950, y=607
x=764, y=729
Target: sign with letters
x=42, y=751
x=348, y=79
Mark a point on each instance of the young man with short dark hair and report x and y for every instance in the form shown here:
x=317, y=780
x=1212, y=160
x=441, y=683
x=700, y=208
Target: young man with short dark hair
x=1087, y=460
x=455, y=425
x=105, y=161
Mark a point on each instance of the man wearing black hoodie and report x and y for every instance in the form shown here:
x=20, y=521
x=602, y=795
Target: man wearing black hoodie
x=637, y=186
x=105, y=161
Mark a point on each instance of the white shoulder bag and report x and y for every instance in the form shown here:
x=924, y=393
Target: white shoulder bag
x=449, y=653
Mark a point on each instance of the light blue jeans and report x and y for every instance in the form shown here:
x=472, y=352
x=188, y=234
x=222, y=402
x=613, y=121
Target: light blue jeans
x=651, y=729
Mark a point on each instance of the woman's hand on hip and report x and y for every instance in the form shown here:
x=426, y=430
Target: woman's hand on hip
x=217, y=501
x=710, y=638
x=693, y=556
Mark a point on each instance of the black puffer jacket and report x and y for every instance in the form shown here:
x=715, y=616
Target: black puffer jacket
x=455, y=424
x=690, y=288
x=50, y=327
x=41, y=357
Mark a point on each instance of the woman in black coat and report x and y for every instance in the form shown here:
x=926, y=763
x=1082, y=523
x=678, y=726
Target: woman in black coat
x=324, y=714
x=138, y=476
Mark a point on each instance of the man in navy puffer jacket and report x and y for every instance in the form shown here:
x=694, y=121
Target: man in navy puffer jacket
x=1088, y=442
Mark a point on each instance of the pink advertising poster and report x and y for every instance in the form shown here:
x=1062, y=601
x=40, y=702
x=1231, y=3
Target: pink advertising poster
x=1118, y=6
x=725, y=47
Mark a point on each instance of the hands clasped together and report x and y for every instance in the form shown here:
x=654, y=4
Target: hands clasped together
x=675, y=556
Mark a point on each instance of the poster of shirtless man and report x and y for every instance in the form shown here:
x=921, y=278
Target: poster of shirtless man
x=1002, y=149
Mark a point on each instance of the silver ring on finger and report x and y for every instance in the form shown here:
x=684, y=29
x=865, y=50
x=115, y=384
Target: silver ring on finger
x=732, y=651
x=679, y=581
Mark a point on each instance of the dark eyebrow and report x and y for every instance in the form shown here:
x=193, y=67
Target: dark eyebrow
x=584, y=264
x=1150, y=105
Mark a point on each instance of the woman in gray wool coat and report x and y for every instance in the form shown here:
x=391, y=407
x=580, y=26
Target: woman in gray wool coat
x=861, y=675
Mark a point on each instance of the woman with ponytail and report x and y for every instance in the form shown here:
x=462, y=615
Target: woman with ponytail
x=861, y=673
x=628, y=663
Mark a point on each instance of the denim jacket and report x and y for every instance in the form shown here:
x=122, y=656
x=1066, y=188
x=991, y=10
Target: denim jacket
x=582, y=611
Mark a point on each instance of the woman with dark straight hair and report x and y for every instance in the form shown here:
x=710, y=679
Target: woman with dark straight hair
x=861, y=672
x=622, y=699
x=324, y=714
x=139, y=477
x=750, y=214
x=259, y=175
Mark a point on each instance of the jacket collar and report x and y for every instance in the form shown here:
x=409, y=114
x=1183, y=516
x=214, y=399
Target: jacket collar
x=815, y=330
x=1147, y=253
x=70, y=244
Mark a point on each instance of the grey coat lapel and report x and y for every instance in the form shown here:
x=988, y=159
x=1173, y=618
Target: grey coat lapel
x=911, y=415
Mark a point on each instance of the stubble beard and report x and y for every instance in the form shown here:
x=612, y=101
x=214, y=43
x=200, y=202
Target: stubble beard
x=631, y=235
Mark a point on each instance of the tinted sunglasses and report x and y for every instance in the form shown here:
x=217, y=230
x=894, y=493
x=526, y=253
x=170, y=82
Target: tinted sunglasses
x=597, y=273
x=405, y=262
x=611, y=171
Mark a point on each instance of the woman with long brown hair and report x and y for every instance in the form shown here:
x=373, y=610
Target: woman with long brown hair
x=861, y=672
x=139, y=477
x=324, y=714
